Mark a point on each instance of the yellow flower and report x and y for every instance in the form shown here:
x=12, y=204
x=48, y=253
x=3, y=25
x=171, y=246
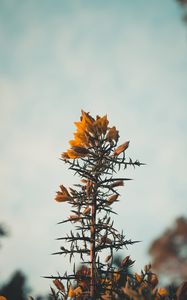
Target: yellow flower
x=73, y=154
x=162, y=292
x=59, y=285
x=147, y=268
x=81, y=139
x=116, y=276
x=112, y=134
x=80, y=150
x=77, y=142
x=81, y=126
x=88, y=119
x=87, y=135
x=74, y=218
x=63, y=195
x=65, y=155
x=101, y=124
x=3, y=298
x=106, y=282
x=152, y=279
x=112, y=199
x=78, y=291
x=138, y=277
x=121, y=148
x=132, y=293
x=60, y=197
x=64, y=190
x=71, y=292
x=84, y=180
x=117, y=183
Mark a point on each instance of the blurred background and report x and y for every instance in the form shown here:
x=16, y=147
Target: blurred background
x=126, y=59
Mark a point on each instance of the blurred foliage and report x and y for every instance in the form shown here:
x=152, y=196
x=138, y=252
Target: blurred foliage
x=16, y=288
x=169, y=251
x=183, y=4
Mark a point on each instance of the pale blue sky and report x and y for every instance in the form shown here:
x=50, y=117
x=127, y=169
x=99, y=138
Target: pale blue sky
x=124, y=58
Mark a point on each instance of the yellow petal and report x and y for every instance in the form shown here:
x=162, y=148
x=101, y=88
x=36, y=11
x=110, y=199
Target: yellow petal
x=78, y=291
x=162, y=292
x=81, y=126
x=76, y=142
x=73, y=154
x=71, y=292
x=121, y=148
x=74, y=218
x=60, y=197
x=84, y=180
x=87, y=118
x=112, y=134
x=64, y=190
x=116, y=276
x=101, y=124
x=138, y=277
x=112, y=198
x=89, y=123
x=65, y=155
x=152, y=279
x=59, y=285
x=117, y=183
x=82, y=138
x=80, y=150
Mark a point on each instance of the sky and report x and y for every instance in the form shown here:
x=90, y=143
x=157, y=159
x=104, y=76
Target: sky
x=126, y=59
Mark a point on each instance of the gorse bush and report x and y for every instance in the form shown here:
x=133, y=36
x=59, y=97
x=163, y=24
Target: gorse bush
x=96, y=157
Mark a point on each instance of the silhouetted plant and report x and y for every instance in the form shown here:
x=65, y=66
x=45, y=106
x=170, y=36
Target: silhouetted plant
x=96, y=158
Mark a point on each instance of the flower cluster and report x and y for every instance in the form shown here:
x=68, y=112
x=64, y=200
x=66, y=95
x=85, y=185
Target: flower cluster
x=92, y=133
x=121, y=285
x=95, y=156
x=144, y=286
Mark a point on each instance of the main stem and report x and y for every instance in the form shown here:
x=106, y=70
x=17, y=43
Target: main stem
x=93, y=230
x=92, y=250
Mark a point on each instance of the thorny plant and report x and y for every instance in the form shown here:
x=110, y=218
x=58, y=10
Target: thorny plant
x=96, y=158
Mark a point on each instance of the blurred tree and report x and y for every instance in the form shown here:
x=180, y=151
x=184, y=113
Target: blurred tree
x=183, y=4
x=16, y=288
x=169, y=251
